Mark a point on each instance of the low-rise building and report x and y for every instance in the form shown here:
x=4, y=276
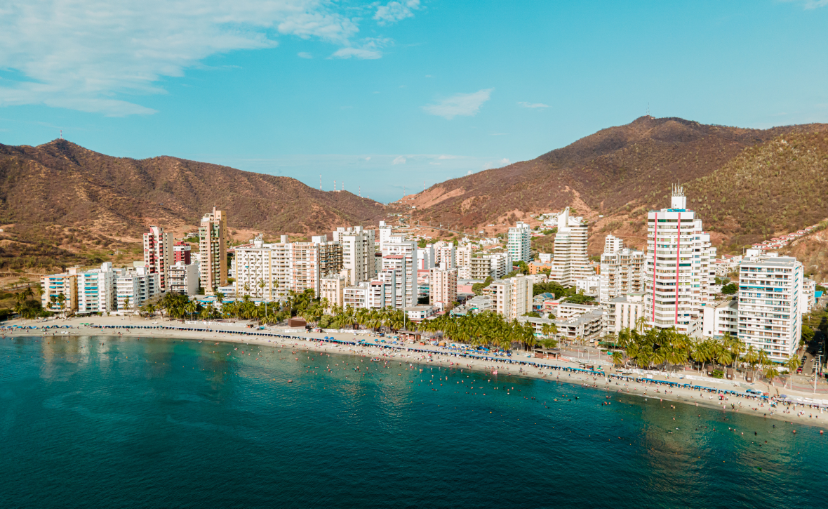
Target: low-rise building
x=134, y=287
x=720, y=317
x=623, y=312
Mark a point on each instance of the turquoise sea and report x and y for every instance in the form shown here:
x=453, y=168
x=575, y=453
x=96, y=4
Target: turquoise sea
x=127, y=422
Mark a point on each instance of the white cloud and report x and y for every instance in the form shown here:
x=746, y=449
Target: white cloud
x=460, y=104
x=368, y=158
x=532, y=105
x=396, y=11
x=368, y=50
x=97, y=55
x=304, y=54
x=445, y=156
x=398, y=160
x=496, y=164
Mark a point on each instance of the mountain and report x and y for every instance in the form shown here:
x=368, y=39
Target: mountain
x=622, y=171
x=61, y=194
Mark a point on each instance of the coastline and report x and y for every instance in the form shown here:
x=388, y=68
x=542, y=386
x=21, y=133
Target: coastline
x=542, y=369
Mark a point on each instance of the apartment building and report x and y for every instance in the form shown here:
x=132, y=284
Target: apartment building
x=400, y=254
x=134, y=287
x=770, y=315
x=183, y=278
x=442, y=287
x=677, y=269
x=212, y=242
x=623, y=312
x=808, y=296
x=271, y=271
x=158, y=253
x=96, y=289
x=425, y=258
x=182, y=253
x=366, y=295
x=358, y=253
x=519, y=243
x=512, y=297
x=613, y=244
x=721, y=316
x=463, y=257
x=332, y=288
x=624, y=270
x=60, y=292
x=594, y=286
x=445, y=255
x=571, y=261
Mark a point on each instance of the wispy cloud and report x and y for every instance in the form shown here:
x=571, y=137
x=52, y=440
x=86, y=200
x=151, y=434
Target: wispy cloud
x=99, y=55
x=810, y=4
x=304, y=54
x=369, y=49
x=398, y=160
x=532, y=105
x=396, y=11
x=460, y=104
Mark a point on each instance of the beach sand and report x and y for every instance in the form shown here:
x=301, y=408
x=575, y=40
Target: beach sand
x=403, y=353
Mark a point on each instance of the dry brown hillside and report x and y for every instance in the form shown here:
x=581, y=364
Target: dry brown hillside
x=61, y=194
x=621, y=171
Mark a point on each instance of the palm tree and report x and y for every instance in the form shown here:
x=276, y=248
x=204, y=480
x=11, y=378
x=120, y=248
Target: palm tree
x=770, y=374
x=792, y=365
x=617, y=358
x=126, y=303
x=61, y=301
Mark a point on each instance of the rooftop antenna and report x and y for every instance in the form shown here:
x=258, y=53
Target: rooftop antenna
x=320, y=182
x=61, y=134
x=360, y=191
x=648, y=108
x=334, y=185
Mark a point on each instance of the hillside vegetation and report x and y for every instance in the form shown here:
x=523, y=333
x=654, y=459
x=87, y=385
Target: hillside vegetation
x=746, y=184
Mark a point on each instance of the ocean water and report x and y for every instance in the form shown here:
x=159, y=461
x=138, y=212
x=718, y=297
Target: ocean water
x=127, y=422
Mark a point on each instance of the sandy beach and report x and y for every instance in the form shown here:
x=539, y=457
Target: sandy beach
x=548, y=369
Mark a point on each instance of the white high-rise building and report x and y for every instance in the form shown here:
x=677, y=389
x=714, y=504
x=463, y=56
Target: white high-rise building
x=613, y=244
x=401, y=255
x=464, y=256
x=623, y=269
x=384, y=231
x=135, y=286
x=677, y=268
x=158, y=253
x=520, y=242
x=571, y=261
x=358, y=253
x=770, y=315
x=96, y=290
x=444, y=255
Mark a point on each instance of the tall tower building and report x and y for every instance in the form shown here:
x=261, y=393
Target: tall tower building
x=677, y=267
x=520, y=242
x=158, y=254
x=571, y=261
x=613, y=244
x=358, y=253
x=770, y=307
x=212, y=242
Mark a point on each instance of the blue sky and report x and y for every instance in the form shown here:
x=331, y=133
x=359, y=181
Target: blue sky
x=386, y=96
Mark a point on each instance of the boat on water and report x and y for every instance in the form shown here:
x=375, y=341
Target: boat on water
x=290, y=381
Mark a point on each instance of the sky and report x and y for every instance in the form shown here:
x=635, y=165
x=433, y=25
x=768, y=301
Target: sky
x=386, y=98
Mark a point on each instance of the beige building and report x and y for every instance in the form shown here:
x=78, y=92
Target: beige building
x=442, y=291
x=623, y=269
x=212, y=242
x=272, y=271
x=158, y=254
x=571, y=261
x=512, y=297
x=332, y=289
x=57, y=285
